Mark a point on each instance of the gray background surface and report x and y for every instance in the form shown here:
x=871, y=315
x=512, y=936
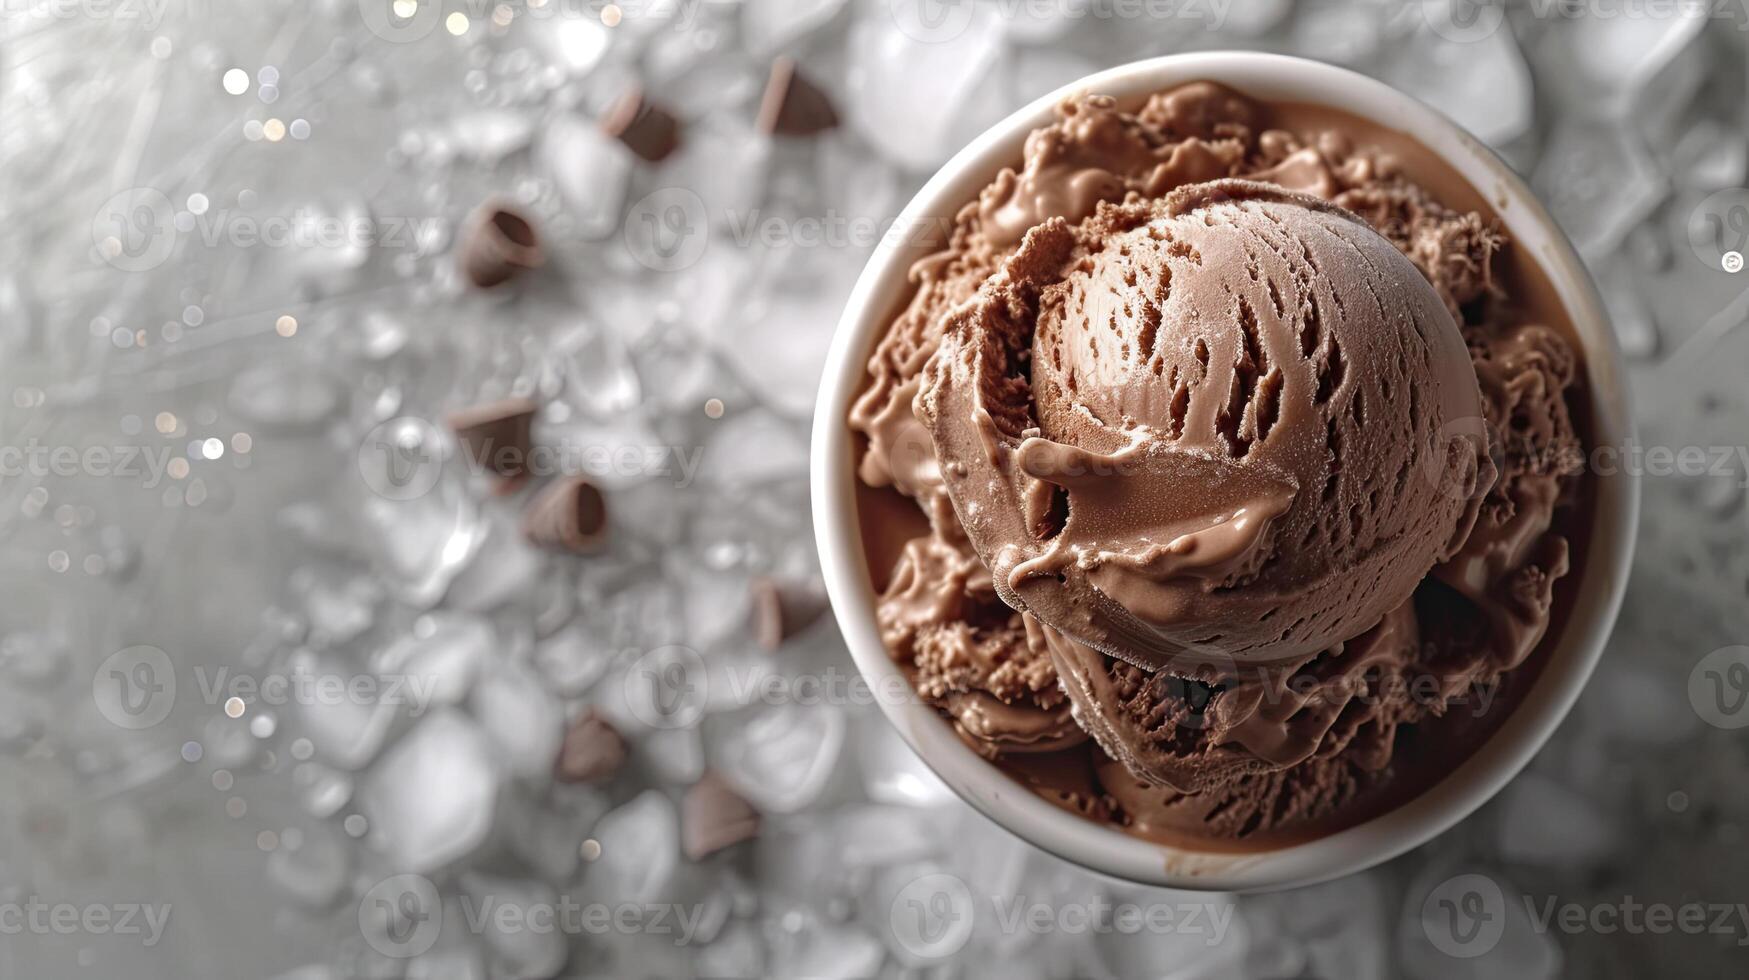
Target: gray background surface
x=228, y=269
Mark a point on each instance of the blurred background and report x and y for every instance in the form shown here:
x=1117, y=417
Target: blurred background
x=286, y=691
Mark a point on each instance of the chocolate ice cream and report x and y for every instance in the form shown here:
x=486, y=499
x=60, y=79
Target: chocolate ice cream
x=1242, y=446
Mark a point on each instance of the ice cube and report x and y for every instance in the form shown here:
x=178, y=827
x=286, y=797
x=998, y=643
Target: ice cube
x=1599, y=181
x=640, y=848
x=691, y=74
x=751, y=448
x=1634, y=327
x=591, y=173
x=431, y=799
x=441, y=658
x=505, y=569
x=1337, y=929
x=323, y=790
x=346, y=731
x=717, y=603
x=1041, y=24
x=782, y=758
x=673, y=755
x=892, y=772
x=548, y=833
x=769, y=27
x=738, y=952
x=1604, y=64
x=284, y=394
x=990, y=859
x=37, y=659
x=819, y=948
x=1209, y=940
x=324, y=262
x=1483, y=85
x=876, y=836
x=1710, y=156
x=853, y=182
x=910, y=73
x=523, y=719
x=724, y=162
x=1546, y=824
x=1344, y=33
x=574, y=659
x=599, y=377
x=312, y=868
x=1040, y=71
x=576, y=44
x=1636, y=704
x=486, y=137
x=336, y=611
x=522, y=950
x=1253, y=17
x=990, y=100
x=679, y=374
x=420, y=541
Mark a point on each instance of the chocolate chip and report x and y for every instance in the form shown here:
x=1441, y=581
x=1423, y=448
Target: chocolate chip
x=496, y=435
x=644, y=127
x=794, y=106
x=782, y=610
x=713, y=816
x=569, y=514
x=498, y=245
x=592, y=751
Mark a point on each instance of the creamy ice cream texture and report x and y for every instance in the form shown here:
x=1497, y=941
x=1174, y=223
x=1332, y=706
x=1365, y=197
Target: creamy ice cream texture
x=1194, y=408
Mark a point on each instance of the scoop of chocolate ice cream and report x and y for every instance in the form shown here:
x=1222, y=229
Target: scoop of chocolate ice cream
x=1208, y=430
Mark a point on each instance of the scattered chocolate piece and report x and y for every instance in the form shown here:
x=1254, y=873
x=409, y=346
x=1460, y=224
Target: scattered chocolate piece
x=498, y=245
x=496, y=435
x=570, y=514
x=794, y=106
x=713, y=816
x=592, y=752
x=644, y=127
x=782, y=610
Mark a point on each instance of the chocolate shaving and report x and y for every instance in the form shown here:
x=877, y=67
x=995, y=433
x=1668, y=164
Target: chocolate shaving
x=498, y=245
x=782, y=610
x=593, y=750
x=794, y=106
x=570, y=514
x=644, y=127
x=496, y=435
x=713, y=816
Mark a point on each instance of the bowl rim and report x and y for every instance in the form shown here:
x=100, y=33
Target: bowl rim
x=1103, y=848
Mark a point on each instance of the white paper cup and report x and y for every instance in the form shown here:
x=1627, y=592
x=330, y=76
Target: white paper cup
x=1106, y=849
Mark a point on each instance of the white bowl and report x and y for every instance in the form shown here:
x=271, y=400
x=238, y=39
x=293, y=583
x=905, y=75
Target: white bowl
x=1102, y=848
